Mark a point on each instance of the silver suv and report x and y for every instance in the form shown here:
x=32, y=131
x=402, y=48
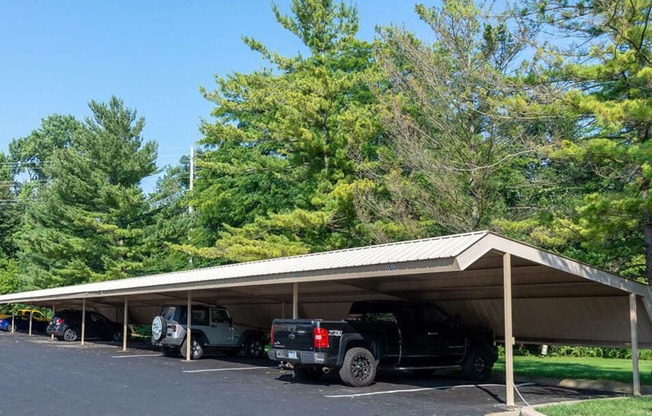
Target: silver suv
x=213, y=331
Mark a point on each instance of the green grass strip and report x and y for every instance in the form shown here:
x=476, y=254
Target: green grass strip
x=613, y=369
x=630, y=406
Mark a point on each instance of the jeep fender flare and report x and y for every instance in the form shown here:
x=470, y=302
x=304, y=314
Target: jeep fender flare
x=195, y=334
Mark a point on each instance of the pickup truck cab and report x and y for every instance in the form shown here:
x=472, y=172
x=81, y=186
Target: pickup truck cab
x=396, y=335
x=212, y=331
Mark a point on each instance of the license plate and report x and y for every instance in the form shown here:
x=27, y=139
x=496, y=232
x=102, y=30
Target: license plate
x=292, y=355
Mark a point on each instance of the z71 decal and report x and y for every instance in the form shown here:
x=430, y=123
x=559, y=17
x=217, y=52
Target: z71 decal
x=334, y=332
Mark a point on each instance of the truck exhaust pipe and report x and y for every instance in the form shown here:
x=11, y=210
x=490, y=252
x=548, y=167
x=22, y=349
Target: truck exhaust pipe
x=326, y=370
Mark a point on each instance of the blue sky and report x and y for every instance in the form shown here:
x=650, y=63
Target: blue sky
x=58, y=55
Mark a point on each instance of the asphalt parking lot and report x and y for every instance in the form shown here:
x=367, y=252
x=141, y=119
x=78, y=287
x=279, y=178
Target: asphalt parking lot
x=43, y=377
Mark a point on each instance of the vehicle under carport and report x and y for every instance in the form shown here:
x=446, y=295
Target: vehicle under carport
x=519, y=291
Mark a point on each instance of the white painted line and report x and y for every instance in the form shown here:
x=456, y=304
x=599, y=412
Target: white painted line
x=136, y=356
x=223, y=369
x=456, y=386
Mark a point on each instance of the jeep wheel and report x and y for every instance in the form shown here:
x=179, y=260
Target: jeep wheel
x=254, y=348
x=301, y=373
x=477, y=365
x=358, y=368
x=70, y=335
x=196, y=349
x=159, y=326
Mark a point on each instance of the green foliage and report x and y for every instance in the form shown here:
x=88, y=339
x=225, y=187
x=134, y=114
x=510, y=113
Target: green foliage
x=9, y=282
x=465, y=124
x=608, y=78
x=87, y=223
x=288, y=143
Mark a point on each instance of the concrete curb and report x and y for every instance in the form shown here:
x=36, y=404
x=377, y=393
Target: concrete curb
x=597, y=385
x=577, y=384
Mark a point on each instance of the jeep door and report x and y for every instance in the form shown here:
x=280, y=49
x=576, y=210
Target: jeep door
x=221, y=331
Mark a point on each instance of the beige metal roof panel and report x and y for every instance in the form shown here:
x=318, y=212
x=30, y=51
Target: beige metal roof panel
x=387, y=254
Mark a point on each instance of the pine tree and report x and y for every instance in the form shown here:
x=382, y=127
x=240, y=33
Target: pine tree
x=88, y=222
x=289, y=143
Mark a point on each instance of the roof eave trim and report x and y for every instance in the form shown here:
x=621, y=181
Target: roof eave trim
x=501, y=244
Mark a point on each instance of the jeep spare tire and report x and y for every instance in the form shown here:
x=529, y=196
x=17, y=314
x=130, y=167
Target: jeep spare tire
x=159, y=326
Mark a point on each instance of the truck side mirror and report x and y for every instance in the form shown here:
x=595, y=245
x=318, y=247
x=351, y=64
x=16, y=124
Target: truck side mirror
x=230, y=321
x=457, y=321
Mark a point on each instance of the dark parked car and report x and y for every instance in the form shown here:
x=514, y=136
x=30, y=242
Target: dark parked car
x=21, y=323
x=66, y=326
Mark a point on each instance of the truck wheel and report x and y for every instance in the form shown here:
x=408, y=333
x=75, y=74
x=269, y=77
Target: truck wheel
x=477, y=365
x=254, y=348
x=359, y=367
x=307, y=373
x=196, y=349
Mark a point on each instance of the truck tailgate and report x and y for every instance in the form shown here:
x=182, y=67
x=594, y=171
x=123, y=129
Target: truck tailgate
x=295, y=334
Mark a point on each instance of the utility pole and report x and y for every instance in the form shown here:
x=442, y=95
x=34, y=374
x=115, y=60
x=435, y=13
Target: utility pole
x=192, y=173
x=190, y=186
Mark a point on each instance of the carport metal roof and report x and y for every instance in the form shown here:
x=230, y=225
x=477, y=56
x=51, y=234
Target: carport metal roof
x=479, y=275
x=460, y=255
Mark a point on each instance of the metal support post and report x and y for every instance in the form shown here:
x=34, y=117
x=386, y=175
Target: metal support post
x=188, y=331
x=295, y=301
x=83, y=328
x=633, y=320
x=509, y=336
x=125, y=330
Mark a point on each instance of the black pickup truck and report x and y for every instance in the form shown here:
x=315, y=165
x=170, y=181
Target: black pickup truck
x=398, y=335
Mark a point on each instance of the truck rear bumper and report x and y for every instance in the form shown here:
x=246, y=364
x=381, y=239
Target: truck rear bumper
x=297, y=357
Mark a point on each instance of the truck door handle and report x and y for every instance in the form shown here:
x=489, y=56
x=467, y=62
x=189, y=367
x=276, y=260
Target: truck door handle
x=433, y=333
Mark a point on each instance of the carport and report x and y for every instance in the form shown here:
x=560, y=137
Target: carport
x=524, y=294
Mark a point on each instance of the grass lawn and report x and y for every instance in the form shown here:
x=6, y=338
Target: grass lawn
x=578, y=368
x=631, y=406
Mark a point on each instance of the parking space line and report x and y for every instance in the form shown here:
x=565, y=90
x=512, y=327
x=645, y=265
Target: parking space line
x=136, y=356
x=223, y=369
x=455, y=386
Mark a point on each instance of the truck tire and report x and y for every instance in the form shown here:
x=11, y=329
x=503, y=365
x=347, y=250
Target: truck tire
x=302, y=373
x=358, y=368
x=477, y=364
x=196, y=349
x=254, y=347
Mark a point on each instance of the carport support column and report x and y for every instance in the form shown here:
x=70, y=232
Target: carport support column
x=509, y=336
x=13, y=319
x=295, y=301
x=31, y=308
x=633, y=319
x=83, y=329
x=125, y=331
x=53, y=312
x=188, y=331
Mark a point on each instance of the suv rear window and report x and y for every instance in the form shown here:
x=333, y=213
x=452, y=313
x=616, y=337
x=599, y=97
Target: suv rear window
x=169, y=312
